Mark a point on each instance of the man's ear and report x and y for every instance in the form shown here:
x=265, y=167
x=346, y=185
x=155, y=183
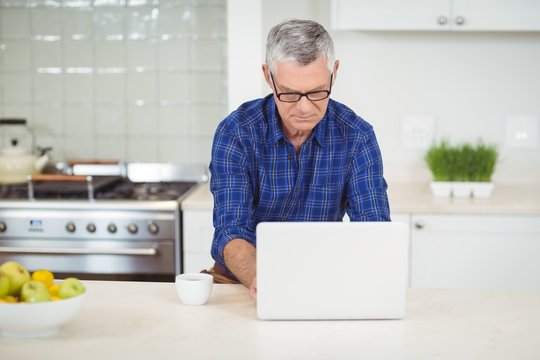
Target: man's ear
x=266, y=73
x=336, y=67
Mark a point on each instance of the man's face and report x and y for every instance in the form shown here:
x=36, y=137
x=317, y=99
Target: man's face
x=292, y=77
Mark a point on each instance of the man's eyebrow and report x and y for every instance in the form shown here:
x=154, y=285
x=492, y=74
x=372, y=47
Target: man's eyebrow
x=288, y=90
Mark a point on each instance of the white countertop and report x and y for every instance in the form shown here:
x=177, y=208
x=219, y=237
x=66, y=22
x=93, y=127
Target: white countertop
x=130, y=320
x=417, y=198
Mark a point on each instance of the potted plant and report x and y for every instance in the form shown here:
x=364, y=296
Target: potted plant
x=461, y=171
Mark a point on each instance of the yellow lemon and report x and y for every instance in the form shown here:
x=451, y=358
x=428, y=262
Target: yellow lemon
x=44, y=276
x=10, y=299
x=53, y=290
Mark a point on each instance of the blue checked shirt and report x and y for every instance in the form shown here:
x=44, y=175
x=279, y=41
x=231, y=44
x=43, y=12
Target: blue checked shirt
x=256, y=175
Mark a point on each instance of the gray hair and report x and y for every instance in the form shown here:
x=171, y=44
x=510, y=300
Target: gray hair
x=301, y=41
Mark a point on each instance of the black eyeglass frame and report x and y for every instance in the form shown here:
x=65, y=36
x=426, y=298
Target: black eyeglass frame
x=301, y=95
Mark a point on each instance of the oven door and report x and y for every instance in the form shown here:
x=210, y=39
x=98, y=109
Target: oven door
x=92, y=257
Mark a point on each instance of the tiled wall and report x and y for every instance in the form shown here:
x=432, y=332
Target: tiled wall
x=134, y=80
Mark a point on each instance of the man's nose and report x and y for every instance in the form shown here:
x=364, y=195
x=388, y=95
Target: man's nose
x=304, y=103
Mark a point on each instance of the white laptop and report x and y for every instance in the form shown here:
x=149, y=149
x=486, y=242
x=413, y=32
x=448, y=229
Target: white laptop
x=332, y=270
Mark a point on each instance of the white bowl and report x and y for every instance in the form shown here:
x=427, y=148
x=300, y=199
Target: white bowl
x=30, y=320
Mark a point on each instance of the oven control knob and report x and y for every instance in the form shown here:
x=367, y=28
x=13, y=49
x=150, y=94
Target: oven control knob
x=91, y=227
x=71, y=227
x=132, y=228
x=3, y=226
x=153, y=228
x=112, y=228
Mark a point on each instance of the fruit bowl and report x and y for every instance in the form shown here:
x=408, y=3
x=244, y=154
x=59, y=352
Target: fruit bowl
x=28, y=320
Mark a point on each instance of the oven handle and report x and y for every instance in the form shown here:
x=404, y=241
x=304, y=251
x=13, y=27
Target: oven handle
x=82, y=251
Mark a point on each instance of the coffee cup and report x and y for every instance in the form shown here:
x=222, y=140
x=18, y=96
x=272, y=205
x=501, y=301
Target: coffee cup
x=194, y=288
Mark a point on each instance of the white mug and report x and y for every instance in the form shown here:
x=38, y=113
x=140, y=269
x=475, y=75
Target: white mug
x=194, y=288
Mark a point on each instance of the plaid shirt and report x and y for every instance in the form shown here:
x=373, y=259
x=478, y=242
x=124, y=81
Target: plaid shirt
x=256, y=175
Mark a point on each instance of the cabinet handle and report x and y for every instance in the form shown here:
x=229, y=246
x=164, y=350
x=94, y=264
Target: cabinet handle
x=460, y=20
x=419, y=225
x=442, y=20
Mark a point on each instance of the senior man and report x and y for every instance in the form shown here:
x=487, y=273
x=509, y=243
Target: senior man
x=294, y=155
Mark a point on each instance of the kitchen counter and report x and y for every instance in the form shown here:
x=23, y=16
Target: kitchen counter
x=130, y=320
x=417, y=198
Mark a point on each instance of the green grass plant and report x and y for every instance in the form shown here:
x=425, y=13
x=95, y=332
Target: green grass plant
x=464, y=162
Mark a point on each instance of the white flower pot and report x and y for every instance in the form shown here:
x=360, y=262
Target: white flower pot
x=482, y=190
x=441, y=189
x=461, y=189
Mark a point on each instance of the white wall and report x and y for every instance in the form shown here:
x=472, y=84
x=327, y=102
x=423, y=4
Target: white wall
x=469, y=83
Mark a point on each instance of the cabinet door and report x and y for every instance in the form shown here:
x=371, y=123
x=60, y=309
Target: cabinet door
x=495, y=15
x=475, y=251
x=198, y=233
x=390, y=14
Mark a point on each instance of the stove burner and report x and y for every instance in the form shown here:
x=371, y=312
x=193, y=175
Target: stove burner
x=105, y=188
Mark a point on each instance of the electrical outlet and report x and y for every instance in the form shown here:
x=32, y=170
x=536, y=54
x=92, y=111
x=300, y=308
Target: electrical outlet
x=416, y=132
x=522, y=131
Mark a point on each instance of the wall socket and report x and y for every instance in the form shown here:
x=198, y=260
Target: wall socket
x=521, y=131
x=417, y=132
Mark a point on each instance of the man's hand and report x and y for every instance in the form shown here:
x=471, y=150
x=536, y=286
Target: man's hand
x=240, y=258
x=253, y=288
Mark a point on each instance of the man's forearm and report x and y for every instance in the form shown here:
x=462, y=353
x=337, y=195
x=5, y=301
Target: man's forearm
x=240, y=258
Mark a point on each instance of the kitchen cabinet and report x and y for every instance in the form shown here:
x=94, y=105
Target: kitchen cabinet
x=436, y=15
x=475, y=251
x=198, y=232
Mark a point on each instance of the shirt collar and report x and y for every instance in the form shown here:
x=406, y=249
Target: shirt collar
x=275, y=133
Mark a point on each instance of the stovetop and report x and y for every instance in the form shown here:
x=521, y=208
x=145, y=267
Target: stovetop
x=104, y=188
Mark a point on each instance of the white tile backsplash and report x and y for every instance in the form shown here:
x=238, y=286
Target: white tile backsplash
x=110, y=88
x=16, y=55
x=79, y=88
x=138, y=80
x=78, y=120
x=78, y=23
x=207, y=55
x=110, y=54
x=175, y=149
x=46, y=22
x=78, y=54
x=15, y=23
x=174, y=88
x=109, y=23
x=47, y=54
x=110, y=120
x=17, y=87
x=48, y=120
x=175, y=22
x=48, y=88
x=173, y=121
x=79, y=146
x=142, y=148
x=141, y=55
x=142, y=120
x=174, y=55
x=111, y=147
x=141, y=88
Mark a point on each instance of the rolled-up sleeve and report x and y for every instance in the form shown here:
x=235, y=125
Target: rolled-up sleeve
x=368, y=200
x=232, y=188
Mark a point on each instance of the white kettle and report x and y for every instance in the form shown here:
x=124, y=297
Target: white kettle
x=17, y=163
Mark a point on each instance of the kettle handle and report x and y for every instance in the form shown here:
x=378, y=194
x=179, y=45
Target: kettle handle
x=12, y=121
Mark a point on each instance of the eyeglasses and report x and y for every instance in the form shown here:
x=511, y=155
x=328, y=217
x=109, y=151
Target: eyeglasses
x=291, y=97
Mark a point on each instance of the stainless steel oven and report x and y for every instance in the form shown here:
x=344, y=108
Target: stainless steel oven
x=124, y=226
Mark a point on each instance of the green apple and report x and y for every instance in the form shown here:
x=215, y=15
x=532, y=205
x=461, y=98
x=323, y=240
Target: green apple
x=17, y=274
x=4, y=284
x=35, y=291
x=70, y=287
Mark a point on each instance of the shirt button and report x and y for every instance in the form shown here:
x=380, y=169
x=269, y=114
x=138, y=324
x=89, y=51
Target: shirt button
x=296, y=190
